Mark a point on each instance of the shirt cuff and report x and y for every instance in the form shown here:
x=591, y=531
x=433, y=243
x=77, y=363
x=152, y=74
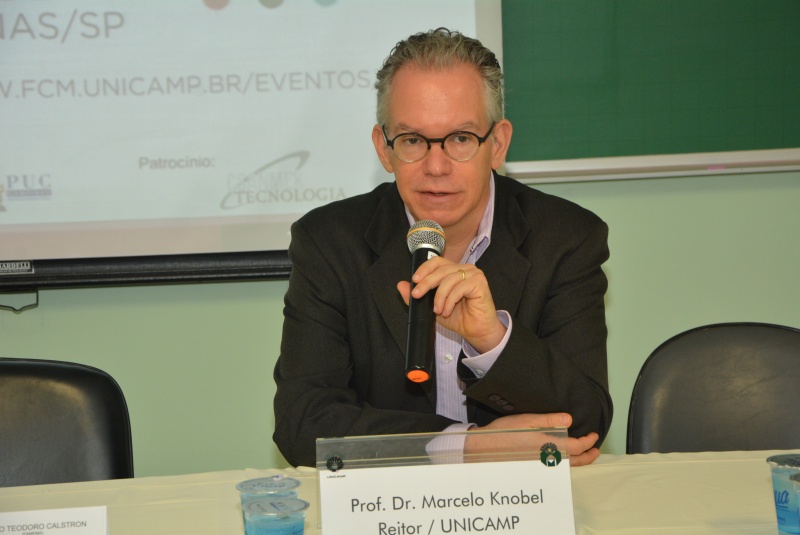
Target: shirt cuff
x=449, y=449
x=480, y=364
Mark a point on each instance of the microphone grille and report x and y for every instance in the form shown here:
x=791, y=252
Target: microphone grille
x=425, y=232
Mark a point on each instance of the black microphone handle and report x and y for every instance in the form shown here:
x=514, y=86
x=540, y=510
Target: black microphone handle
x=421, y=325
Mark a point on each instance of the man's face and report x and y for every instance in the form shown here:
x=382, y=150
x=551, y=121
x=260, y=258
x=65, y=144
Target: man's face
x=434, y=104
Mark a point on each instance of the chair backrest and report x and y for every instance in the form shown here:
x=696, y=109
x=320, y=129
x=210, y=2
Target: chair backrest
x=723, y=387
x=61, y=422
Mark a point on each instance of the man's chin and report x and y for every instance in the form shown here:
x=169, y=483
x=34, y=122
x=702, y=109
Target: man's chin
x=442, y=209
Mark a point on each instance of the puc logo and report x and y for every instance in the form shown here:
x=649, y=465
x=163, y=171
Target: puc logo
x=271, y=4
x=27, y=186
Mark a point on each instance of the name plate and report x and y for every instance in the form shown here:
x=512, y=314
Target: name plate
x=530, y=497
x=73, y=521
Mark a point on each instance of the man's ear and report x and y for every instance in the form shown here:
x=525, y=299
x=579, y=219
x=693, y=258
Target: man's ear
x=381, y=148
x=502, y=139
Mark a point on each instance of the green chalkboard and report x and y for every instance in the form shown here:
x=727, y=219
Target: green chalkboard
x=596, y=78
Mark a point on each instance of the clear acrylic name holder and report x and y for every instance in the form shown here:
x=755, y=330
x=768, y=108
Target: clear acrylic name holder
x=511, y=481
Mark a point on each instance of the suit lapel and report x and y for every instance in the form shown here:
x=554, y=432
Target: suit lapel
x=505, y=268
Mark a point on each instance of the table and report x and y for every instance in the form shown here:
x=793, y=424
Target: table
x=707, y=493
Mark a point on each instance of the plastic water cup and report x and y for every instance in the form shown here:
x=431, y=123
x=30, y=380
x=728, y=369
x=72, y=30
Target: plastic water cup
x=786, y=502
x=275, y=516
x=277, y=486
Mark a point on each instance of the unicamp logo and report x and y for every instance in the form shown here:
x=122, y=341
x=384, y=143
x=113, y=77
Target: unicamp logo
x=271, y=4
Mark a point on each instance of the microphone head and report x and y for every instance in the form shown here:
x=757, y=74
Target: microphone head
x=425, y=233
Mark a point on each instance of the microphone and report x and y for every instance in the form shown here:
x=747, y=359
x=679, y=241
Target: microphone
x=425, y=240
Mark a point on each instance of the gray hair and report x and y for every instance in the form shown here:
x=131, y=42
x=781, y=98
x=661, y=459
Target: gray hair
x=441, y=49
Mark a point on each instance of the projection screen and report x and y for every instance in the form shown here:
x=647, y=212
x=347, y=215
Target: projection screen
x=147, y=141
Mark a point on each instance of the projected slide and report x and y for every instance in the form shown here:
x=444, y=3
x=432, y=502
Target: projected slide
x=140, y=127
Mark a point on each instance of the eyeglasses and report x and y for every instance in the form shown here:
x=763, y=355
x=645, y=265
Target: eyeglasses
x=460, y=146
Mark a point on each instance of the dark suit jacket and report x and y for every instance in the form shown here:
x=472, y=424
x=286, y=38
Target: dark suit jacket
x=341, y=368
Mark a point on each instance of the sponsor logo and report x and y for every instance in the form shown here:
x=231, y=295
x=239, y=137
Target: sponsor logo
x=279, y=181
x=27, y=186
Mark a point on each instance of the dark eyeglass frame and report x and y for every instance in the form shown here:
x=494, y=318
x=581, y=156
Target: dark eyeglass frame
x=440, y=140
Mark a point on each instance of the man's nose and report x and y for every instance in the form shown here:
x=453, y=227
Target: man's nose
x=437, y=162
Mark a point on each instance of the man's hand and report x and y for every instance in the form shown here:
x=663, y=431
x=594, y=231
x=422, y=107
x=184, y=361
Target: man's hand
x=581, y=450
x=463, y=302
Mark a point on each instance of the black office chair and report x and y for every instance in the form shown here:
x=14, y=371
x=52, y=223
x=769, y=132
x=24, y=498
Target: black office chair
x=723, y=387
x=61, y=422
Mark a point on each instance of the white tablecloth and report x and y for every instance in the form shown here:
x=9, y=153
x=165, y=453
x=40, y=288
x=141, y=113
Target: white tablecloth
x=668, y=494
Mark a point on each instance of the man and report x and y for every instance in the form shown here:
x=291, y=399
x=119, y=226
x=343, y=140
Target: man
x=518, y=291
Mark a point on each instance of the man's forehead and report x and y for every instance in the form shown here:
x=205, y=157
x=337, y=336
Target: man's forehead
x=437, y=101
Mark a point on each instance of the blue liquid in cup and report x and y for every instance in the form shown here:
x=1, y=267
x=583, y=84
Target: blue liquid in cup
x=289, y=525
x=275, y=516
x=786, y=503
